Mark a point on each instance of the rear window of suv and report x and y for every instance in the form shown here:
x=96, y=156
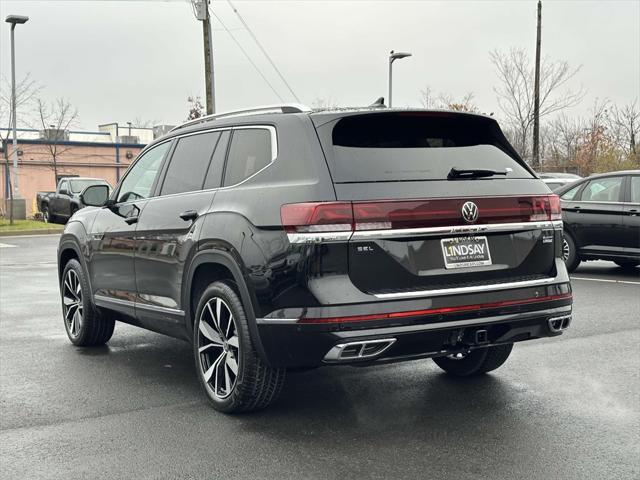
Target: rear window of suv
x=410, y=146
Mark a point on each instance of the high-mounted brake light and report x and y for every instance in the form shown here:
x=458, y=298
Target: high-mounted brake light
x=399, y=214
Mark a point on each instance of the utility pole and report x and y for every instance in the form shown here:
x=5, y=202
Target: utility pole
x=536, y=89
x=201, y=10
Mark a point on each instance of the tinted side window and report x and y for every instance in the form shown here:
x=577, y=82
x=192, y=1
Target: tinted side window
x=250, y=152
x=214, y=173
x=189, y=163
x=139, y=180
x=571, y=194
x=635, y=189
x=64, y=185
x=603, y=190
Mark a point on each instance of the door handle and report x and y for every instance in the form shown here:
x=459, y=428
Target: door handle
x=189, y=215
x=131, y=220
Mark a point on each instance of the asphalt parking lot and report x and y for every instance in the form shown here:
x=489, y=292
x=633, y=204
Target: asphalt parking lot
x=566, y=408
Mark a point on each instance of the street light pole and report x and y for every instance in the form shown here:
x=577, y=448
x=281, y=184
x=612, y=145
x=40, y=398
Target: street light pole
x=393, y=56
x=14, y=20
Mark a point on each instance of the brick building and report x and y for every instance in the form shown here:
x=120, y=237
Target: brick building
x=103, y=154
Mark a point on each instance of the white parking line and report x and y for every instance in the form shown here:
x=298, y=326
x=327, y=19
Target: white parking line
x=605, y=280
x=7, y=245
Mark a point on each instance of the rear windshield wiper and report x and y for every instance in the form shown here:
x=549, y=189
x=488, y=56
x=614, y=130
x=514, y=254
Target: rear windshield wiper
x=475, y=173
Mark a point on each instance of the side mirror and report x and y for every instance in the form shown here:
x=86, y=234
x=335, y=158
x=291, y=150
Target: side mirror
x=64, y=191
x=95, y=195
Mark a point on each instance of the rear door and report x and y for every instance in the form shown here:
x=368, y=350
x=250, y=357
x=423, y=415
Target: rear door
x=168, y=227
x=631, y=218
x=418, y=230
x=597, y=215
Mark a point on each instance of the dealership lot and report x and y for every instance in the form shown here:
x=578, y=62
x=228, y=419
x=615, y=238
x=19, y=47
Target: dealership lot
x=567, y=407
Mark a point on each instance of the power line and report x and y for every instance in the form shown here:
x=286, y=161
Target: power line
x=255, y=39
x=246, y=54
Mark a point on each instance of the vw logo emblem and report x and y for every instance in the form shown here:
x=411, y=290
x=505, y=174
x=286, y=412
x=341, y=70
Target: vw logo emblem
x=470, y=212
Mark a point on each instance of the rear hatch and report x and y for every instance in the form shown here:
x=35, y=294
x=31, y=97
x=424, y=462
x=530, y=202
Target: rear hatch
x=419, y=226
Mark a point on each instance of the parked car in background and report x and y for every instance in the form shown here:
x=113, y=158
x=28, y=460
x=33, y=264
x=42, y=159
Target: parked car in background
x=555, y=181
x=601, y=216
x=60, y=205
x=284, y=238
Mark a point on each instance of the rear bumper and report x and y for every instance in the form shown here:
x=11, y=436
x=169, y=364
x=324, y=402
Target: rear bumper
x=290, y=342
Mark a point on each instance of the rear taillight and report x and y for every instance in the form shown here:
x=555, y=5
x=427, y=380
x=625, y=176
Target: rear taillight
x=317, y=217
x=402, y=214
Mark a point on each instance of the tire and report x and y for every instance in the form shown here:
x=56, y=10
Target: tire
x=85, y=324
x=221, y=344
x=46, y=215
x=475, y=362
x=627, y=264
x=569, y=252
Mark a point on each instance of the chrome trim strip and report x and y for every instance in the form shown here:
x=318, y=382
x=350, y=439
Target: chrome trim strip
x=456, y=290
x=128, y=303
x=320, y=237
x=455, y=230
x=117, y=301
x=275, y=321
x=158, y=308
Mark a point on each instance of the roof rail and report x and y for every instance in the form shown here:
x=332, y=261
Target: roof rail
x=281, y=108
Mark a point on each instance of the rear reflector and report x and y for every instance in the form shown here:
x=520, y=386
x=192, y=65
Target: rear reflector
x=399, y=214
x=434, y=311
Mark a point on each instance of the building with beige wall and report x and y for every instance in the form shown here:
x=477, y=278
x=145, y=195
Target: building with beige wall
x=104, y=154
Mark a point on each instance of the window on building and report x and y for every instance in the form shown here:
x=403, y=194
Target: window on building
x=189, y=163
x=250, y=152
x=214, y=173
x=139, y=180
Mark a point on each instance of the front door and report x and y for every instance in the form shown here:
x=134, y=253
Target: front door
x=168, y=228
x=112, y=236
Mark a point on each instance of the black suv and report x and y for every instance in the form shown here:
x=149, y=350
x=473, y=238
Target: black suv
x=601, y=216
x=284, y=238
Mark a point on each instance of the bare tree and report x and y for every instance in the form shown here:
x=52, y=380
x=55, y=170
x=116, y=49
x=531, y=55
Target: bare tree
x=196, y=109
x=140, y=122
x=26, y=90
x=516, y=92
x=447, y=101
x=624, y=123
x=55, y=120
x=321, y=103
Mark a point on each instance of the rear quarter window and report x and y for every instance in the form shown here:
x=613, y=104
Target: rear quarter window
x=250, y=152
x=414, y=146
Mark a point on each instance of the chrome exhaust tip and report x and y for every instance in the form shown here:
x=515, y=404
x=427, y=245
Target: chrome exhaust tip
x=358, y=350
x=558, y=324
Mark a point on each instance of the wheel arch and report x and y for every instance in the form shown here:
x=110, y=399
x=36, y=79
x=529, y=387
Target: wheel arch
x=207, y=267
x=70, y=247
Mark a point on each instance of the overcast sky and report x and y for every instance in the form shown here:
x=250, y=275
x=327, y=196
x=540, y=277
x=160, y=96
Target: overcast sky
x=121, y=60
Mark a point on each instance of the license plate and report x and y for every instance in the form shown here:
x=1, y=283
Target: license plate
x=462, y=252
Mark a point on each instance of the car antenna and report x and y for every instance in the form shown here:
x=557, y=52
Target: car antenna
x=379, y=103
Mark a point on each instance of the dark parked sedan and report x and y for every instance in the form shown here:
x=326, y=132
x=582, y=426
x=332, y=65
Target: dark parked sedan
x=601, y=216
